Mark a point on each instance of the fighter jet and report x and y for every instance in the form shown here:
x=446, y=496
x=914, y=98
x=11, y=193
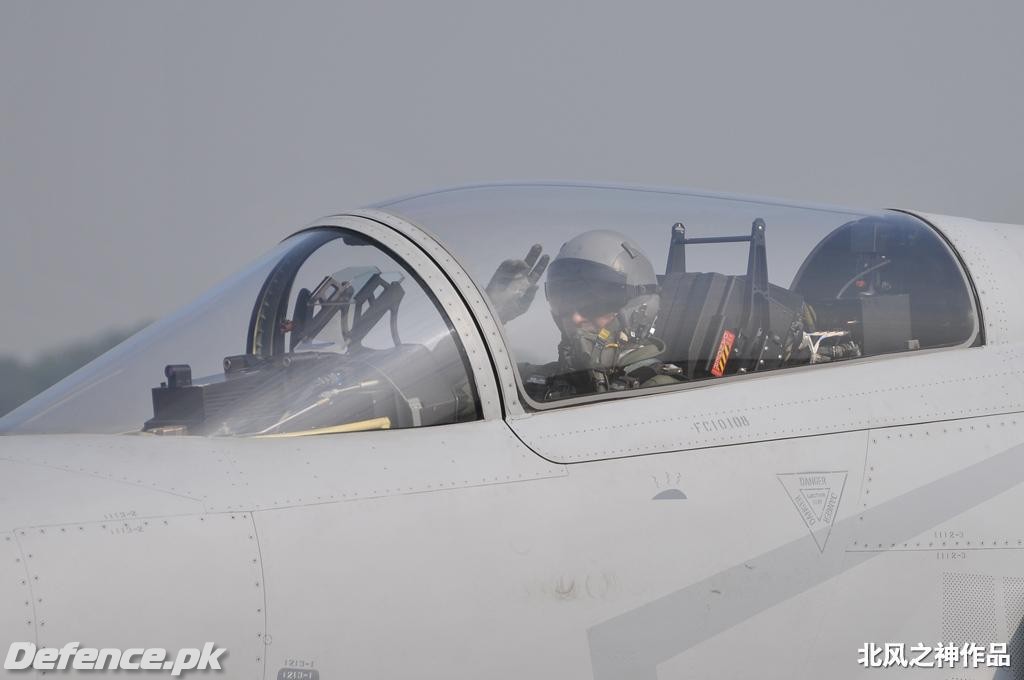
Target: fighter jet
x=548, y=431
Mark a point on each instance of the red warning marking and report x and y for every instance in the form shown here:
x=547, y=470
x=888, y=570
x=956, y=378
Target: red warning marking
x=722, y=358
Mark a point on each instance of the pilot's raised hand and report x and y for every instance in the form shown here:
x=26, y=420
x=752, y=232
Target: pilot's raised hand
x=514, y=283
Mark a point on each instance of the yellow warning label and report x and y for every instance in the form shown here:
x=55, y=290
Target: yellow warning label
x=722, y=358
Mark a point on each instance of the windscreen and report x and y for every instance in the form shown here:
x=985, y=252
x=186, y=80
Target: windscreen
x=606, y=289
x=329, y=332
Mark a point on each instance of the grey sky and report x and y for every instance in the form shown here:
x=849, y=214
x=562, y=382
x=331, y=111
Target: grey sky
x=148, y=149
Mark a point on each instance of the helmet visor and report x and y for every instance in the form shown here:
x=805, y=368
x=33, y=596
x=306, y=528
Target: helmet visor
x=586, y=287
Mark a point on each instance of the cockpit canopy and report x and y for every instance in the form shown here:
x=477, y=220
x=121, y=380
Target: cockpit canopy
x=745, y=285
x=330, y=332
x=598, y=290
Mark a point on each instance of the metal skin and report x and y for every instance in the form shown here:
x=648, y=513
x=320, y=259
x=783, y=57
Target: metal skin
x=764, y=526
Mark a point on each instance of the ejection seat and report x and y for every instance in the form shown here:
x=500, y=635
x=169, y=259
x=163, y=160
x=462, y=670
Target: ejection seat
x=715, y=324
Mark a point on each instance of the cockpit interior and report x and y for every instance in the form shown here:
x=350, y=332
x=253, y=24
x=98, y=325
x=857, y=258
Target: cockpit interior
x=333, y=331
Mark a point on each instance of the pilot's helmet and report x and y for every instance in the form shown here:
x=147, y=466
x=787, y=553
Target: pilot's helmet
x=606, y=279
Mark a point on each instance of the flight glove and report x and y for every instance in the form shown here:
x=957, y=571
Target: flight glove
x=514, y=284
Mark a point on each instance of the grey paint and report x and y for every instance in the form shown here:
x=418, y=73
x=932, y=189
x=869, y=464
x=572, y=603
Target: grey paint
x=632, y=644
x=466, y=539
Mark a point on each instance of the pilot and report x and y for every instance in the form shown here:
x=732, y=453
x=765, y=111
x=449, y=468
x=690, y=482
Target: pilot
x=604, y=298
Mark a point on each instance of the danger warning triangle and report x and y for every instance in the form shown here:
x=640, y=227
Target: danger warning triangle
x=816, y=496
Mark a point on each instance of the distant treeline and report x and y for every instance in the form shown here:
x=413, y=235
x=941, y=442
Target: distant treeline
x=20, y=381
